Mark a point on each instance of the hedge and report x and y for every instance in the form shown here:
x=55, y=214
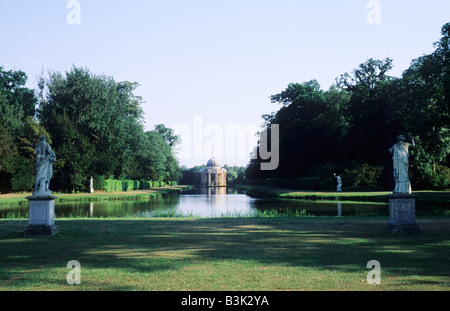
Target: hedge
x=112, y=185
x=128, y=185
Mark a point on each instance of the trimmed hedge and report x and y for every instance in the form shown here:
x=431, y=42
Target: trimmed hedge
x=112, y=185
x=128, y=185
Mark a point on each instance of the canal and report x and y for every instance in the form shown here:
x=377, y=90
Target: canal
x=206, y=202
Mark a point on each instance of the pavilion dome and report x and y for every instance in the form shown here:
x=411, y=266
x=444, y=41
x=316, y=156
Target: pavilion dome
x=212, y=163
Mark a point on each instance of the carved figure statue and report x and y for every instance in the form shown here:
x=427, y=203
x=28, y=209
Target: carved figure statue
x=44, y=160
x=339, y=181
x=400, y=154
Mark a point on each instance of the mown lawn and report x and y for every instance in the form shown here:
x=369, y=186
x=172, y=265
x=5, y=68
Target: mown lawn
x=14, y=199
x=222, y=254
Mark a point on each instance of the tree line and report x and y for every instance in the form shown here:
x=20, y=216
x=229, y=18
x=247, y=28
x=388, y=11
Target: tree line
x=93, y=123
x=349, y=128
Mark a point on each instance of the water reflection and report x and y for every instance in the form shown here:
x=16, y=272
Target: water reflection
x=213, y=191
x=91, y=210
x=216, y=202
x=320, y=208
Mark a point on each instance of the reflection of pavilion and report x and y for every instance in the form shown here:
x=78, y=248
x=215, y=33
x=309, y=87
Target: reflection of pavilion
x=213, y=175
x=214, y=190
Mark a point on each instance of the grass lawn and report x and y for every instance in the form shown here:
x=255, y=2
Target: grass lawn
x=426, y=196
x=222, y=254
x=13, y=199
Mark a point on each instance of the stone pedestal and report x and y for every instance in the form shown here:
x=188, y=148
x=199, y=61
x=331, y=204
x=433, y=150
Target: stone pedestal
x=402, y=214
x=41, y=222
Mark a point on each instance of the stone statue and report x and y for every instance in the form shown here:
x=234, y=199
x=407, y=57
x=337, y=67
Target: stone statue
x=401, y=163
x=44, y=160
x=339, y=181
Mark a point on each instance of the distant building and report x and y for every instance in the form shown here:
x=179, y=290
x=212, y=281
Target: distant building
x=213, y=175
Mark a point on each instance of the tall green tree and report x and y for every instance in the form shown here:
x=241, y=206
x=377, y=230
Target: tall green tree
x=311, y=127
x=424, y=94
x=370, y=128
x=17, y=109
x=94, y=122
x=155, y=160
x=16, y=101
x=168, y=135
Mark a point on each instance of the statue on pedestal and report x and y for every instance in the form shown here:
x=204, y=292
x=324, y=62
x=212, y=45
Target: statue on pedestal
x=401, y=163
x=44, y=160
x=41, y=206
x=402, y=204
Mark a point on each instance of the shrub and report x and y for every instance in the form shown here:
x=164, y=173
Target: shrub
x=23, y=178
x=118, y=186
x=365, y=176
x=144, y=184
x=99, y=182
x=127, y=185
x=439, y=180
x=110, y=185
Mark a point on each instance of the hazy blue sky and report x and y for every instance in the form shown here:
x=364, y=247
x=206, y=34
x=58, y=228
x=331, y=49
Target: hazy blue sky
x=215, y=61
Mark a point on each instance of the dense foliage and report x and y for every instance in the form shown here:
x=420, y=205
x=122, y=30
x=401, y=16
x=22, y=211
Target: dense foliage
x=94, y=124
x=349, y=128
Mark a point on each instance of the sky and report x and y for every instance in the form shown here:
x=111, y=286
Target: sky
x=207, y=68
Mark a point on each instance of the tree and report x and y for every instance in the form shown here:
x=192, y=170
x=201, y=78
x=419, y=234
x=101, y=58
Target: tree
x=17, y=107
x=370, y=128
x=16, y=101
x=168, y=135
x=94, y=122
x=153, y=159
x=8, y=150
x=425, y=96
x=312, y=127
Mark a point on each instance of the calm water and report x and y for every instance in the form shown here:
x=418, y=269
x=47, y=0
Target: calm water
x=208, y=202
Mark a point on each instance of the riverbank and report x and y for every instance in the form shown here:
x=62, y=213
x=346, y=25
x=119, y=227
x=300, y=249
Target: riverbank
x=441, y=198
x=20, y=198
x=226, y=254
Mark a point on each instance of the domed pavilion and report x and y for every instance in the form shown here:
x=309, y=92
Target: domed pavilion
x=213, y=175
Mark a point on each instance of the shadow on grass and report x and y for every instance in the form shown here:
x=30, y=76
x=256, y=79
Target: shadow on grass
x=156, y=245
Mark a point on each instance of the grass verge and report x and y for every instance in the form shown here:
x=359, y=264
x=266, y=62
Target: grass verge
x=431, y=197
x=20, y=198
x=274, y=254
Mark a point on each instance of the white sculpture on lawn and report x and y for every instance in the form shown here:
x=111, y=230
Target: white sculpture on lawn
x=339, y=181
